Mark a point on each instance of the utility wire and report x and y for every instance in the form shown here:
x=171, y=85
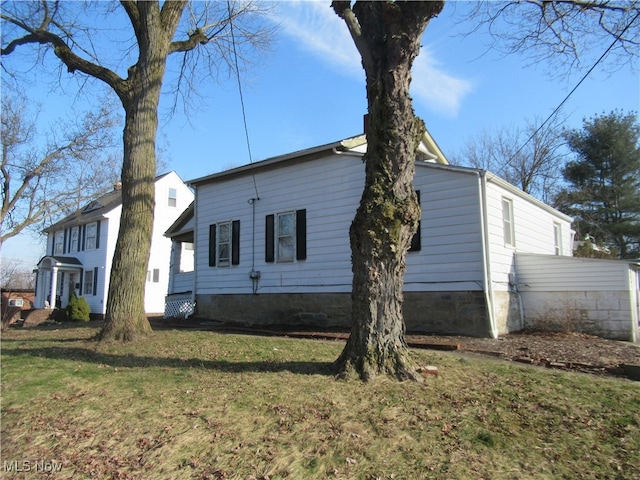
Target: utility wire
x=244, y=115
x=576, y=87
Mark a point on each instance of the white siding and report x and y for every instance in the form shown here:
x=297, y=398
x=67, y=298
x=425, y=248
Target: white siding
x=329, y=189
x=451, y=255
x=534, y=232
x=160, y=254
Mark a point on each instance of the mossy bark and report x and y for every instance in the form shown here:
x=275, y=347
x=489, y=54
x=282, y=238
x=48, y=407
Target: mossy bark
x=387, y=35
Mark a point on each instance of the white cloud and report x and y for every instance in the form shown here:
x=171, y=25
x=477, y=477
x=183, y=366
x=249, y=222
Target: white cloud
x=315, y=28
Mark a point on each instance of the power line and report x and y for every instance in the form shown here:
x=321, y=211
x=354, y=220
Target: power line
x=244, y=115
x=576, y=87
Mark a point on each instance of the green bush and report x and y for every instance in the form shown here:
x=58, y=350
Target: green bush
x=78, y=309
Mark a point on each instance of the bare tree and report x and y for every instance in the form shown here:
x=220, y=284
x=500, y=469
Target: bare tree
x=530, y=158
x=387, y=34
x=563, y=34
x=160, y=30
x=48, y=175
x=16, y=274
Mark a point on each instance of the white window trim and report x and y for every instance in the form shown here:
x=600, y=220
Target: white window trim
x=58, y=243
x=222, y=261
x=172, y=197
x=88, y=291
x=557, y=239
x=75, y=236
x=509, y=233
x=87, y=245
x=279, y=237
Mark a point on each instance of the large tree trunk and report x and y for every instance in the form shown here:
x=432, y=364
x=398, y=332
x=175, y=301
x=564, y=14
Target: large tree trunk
x=388, y=38
x=125, y=313
x=125, y=317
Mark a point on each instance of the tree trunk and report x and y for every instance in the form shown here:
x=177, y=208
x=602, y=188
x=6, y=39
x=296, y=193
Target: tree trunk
x=388, y=214
x=125, y=317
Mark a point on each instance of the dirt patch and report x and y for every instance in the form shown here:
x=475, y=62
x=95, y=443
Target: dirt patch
x=569, y=351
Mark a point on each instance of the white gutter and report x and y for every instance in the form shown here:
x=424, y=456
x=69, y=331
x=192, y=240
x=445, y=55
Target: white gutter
x=486, y=252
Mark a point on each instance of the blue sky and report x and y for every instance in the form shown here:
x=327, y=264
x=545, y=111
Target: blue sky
x=310, y=90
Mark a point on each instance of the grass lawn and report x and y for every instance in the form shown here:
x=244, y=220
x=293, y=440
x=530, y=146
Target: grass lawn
x=204, y=405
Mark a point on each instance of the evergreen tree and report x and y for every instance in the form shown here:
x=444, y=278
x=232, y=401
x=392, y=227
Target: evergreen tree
x=603, y=192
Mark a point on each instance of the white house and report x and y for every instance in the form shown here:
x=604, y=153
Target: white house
x=272, y=242
x=80, y=249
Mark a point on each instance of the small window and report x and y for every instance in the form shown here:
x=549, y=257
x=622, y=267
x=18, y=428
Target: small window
x=88, y=282
x=91, y=236
x=173, y=197
x=286, y=236
x=557, y=238
x=58, y=248
x=16, y=302
x=507, y=223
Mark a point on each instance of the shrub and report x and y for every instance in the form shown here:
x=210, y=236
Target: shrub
x=78, y=309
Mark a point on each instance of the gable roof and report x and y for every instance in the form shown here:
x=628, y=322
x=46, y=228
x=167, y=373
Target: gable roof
x=351, y=146
x=94, y=210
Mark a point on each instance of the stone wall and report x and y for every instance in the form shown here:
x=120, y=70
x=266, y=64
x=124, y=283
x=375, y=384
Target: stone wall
x=457, y=313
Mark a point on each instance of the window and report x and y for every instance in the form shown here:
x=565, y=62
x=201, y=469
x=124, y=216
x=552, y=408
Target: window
x=16, y=302
x=58, y=247
x=90, y=242
x=153, y=275
x=88, y=282
x=286, y=240
x=286, y=236
x=173, y=197
x=557, y=238
x=75, y=236
x=224, y=244
x=507, y=223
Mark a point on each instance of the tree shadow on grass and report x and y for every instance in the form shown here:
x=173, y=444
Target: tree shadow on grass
x=134, y=361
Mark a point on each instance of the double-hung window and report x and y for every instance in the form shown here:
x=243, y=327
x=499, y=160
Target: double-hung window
x=286, y=239
x=75, y=236
x=224, y=244
x=286, y=236
x=88, y=282
x=58, y=246
x=557, y=238
x=173, y=197
x=507, y=222
x=91, y=236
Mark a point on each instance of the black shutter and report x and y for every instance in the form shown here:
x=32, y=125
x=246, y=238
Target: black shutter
x=95, y=281
x=84, y=236
x=64, y=242
x=98, y=235
x=269, y=255
x=81, y=283
x=416, y=241
x=212, y=245
x=301, y=234
x=53, y=244
x=235, y=242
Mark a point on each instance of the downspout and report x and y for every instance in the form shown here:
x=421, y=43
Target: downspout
x=486, y=254
x=195, y=256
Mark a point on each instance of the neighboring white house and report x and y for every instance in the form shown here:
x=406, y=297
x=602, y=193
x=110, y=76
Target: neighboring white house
x=272, y=242
x=80, y=249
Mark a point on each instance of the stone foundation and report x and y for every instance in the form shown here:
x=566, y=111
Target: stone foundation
x=454, y=313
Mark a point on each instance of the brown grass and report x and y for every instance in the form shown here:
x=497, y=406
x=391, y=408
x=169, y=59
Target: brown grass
x=203, y=405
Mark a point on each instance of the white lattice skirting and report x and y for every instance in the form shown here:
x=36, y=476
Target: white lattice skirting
x=178, y=305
